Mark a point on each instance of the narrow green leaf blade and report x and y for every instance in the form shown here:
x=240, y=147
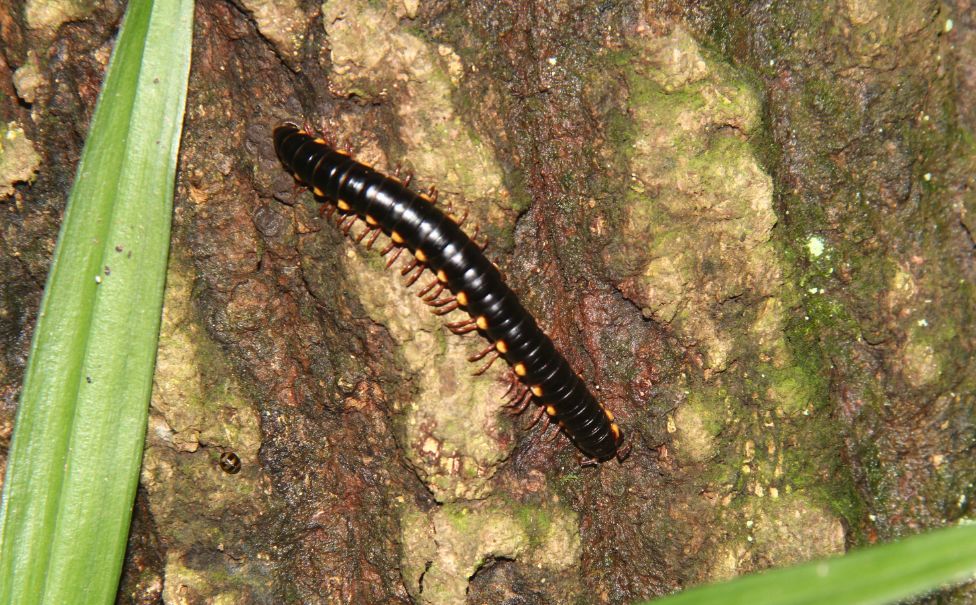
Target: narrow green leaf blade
x=886, y=573
x=74, y=460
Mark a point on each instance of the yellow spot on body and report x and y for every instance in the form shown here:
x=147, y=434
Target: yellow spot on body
x=551, y=410
x=442, y=276
x=520, y=369
x=501, y=346
x=344, y=205
x=320, y=141
x=616, y=431
x=371, y=221
x=396, y=237
x=462, y=299
x=608, y=413
x=318, y=192
x=482, y=322
x=537, y=391
x=420, y=255
x=426, y=198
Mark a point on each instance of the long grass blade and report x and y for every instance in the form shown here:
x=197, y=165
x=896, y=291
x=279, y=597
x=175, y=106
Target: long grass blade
x=887, y=573
x=74, y=460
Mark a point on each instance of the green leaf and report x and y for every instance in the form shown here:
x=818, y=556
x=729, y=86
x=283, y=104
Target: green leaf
x=77, y=445
x=887, y=573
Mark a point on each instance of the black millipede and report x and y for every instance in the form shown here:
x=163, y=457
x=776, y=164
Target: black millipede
x=412, y=220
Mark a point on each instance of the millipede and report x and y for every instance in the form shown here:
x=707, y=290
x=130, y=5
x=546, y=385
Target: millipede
x=413, y=221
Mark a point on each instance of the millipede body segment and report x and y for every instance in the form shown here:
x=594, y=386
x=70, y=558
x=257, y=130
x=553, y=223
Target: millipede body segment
x=411, y=220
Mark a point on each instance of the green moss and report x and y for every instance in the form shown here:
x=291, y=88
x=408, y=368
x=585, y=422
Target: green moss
x=460, y=517
x=535, y=522
x=795, y=389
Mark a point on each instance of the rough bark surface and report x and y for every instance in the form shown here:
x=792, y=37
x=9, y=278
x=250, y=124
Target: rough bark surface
x=749, y=225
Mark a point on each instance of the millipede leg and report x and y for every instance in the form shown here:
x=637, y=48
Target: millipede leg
x=327, y=210
x=463, y=218
x=535, y=419
x=394, y=258
x=485, y=367
x=546, y=423
x=553, y=437
x=365, y=232
x=428, y=288
x=623, y=452
x=412, y=280
x=462, y=323
x=519, y=404
x=446, y=309
x=514, y=398
x=441, y=302
x=408, y=179
x=462, y=327
x=348, y=228
x=481, y=355
x=410, y=267
x=433, y=295
x=512, y=383
x=372, y=239
x=432, y=193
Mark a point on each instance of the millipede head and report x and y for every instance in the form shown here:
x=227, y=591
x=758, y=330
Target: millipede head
x=283, y=132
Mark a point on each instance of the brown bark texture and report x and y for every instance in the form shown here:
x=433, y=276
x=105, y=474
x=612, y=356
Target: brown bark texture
x=746, y=224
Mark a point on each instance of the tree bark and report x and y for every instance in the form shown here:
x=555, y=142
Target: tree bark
x=747, y=226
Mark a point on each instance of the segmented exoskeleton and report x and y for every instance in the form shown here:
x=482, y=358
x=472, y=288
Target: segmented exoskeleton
x=413, y=221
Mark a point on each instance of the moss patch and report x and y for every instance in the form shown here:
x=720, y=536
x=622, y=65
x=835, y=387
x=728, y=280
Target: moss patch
x=698, y=196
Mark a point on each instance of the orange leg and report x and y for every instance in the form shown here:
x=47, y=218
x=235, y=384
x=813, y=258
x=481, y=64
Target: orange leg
x=410, y=267
x=441, y=302
x=428, y=288
x=372, y=239
x=433, y=295
x=394, y=258
x=462, y=327
x=446, y=309
x=412, y=280
x=365, y=232
x=485, y=367
x=537, y=417
x=481, y=355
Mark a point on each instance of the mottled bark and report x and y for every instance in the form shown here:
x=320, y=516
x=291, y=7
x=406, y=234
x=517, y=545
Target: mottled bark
x=749, y=226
